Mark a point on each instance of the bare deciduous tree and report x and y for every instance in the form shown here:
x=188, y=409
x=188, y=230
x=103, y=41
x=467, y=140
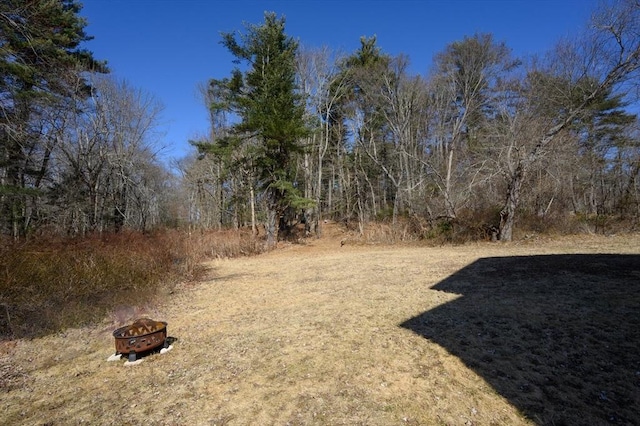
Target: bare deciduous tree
x=109, y=171
x=607, y=57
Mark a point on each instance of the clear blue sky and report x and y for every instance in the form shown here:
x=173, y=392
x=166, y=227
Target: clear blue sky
x=169, y=47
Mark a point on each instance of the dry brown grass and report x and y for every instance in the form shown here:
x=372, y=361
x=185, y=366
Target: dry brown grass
x=324, y=334
x=50, y=284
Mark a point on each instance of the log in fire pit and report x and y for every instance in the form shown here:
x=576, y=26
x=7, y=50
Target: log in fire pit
x=143, y=335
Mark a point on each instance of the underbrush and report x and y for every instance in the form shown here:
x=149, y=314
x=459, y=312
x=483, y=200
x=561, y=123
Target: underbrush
x=435, y=232
x=468, y=228
x=47, y=285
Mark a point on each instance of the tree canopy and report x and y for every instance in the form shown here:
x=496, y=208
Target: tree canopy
x=482, y=143
x=41, y=66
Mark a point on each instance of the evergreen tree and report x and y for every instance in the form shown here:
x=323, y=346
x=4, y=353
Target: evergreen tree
x=41, y=66
x=270, y=108
x=603, y=132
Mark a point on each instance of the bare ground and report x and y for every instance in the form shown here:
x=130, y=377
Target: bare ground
x=324, y=334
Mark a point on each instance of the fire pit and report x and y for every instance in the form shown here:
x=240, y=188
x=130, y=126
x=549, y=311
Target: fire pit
x=142, y=336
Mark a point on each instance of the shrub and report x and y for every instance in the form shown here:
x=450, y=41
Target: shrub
x=51, y=284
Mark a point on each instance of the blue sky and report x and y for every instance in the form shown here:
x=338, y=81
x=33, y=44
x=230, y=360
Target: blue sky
x=170, y=47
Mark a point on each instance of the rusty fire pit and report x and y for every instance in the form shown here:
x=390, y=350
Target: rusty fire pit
x=142, y=336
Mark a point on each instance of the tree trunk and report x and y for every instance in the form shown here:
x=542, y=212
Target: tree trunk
x=449, y=208
x=275, y=212
x=508, y=212
x=273, y=221
x=318, y=216
x=310, y=213
x=254, y=230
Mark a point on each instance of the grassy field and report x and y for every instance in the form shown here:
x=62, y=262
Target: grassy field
x=543, y=331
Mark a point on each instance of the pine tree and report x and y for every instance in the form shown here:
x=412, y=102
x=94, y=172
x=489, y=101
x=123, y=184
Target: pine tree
x=41, y=65
x=270, y=108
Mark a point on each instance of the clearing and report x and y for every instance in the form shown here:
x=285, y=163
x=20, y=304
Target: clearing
x=542, y=331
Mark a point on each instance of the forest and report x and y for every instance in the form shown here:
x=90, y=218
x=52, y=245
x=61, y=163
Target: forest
x=484, y=144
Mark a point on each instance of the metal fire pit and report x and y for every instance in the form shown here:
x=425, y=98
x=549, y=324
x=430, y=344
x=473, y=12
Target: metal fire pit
x=142, y=336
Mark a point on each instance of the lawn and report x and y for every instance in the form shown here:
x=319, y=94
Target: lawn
x=543, y=331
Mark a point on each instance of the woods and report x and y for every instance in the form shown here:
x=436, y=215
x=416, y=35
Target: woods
x=76, y=146
x=483, y=141
x=482, y=145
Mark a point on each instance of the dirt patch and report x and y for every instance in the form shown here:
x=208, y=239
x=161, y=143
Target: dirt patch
x=324, y=333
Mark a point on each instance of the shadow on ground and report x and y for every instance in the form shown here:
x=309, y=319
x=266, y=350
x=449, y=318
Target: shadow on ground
x=169, y=341
x=558, y=336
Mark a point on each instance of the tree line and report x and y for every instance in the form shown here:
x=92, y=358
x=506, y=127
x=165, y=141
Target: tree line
x=481, y=140
x=77, y=147
x=300, y=135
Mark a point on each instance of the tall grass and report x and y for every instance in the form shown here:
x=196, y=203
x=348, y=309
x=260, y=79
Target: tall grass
x=47, y=285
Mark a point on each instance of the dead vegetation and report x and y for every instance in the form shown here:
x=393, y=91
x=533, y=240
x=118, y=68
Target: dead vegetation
x=50, y=284
x=323, y=334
